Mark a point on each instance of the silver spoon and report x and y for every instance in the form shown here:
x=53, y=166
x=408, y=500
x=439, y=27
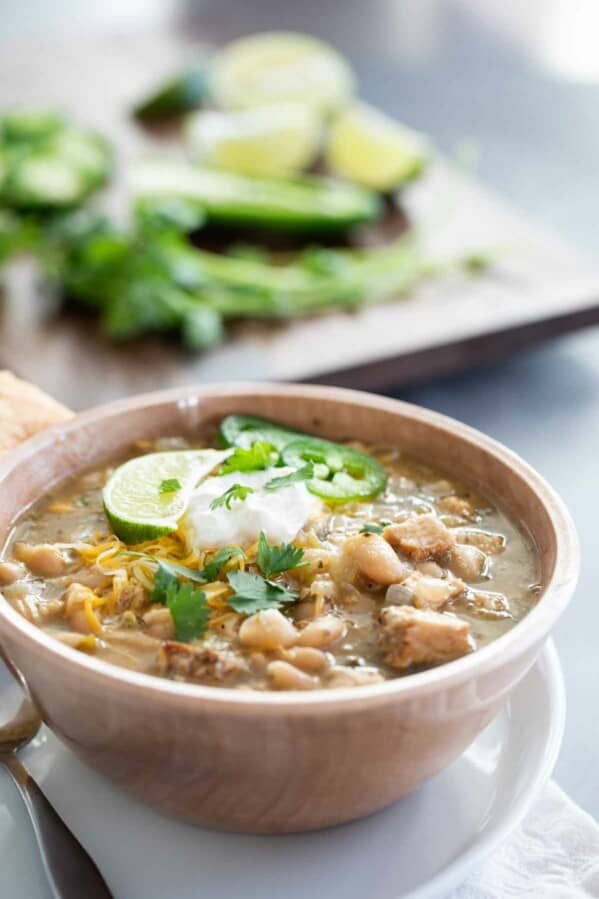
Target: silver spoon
x=70, y=870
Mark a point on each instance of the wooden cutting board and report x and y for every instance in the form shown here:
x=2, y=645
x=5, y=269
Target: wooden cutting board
x=539, y=287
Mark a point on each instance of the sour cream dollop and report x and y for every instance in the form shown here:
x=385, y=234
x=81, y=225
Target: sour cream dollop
x=280, y=513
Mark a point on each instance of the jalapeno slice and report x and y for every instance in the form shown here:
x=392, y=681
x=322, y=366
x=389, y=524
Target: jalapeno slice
x=341, y=473
x=245, y=430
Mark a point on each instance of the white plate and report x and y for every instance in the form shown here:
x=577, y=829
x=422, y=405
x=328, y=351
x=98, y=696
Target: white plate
x=417, y=849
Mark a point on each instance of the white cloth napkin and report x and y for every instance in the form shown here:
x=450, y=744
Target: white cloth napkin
x=554, y=854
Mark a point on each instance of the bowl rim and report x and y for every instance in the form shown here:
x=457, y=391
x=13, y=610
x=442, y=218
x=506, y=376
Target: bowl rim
x=532, y=629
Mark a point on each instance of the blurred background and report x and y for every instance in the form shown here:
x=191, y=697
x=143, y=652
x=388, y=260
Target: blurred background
x=520, y=84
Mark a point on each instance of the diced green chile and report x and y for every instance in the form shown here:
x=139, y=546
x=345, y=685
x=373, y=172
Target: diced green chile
x=341, y=473
x=245, y=430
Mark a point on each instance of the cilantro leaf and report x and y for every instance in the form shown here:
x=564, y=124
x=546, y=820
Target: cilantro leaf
x=369, y=528
x=254, y=593
x=169, y=485
x=300, y=474
x=167, y=573
x=235, y=492
x=224, y=555
x=257, y=457
x=189, y=610
x=164, y=578
x=274, y=559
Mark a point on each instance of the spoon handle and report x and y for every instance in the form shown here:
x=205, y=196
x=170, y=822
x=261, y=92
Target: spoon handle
x=71, y=871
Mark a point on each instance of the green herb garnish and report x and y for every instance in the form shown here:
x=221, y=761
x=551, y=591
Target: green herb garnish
x=188, y=605
x=235, y=492
x=254, y=593
x=374, y=528
x=300, y=474
x=169, y=571
x=211, y=570
x=189, y=610
x=275, y=559
x=169, y=485
x=257, y=457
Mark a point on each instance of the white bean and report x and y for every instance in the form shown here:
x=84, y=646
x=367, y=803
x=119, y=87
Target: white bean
x=375, y=559
x=43, y=560
x=267, y=630
x=322, y=632
x=9, y=573
x=284, y=676
x=306, y=658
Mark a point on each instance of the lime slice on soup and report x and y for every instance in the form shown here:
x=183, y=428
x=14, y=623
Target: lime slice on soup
x=277, y=66
x=370, y=148
x=146, y=497
x=271, y=141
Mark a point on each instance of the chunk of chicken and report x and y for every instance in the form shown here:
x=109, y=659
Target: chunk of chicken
x=159, y=623
x=43, y=560
x=373, y=558
x=488, y=542
x=456, y=505
x=420, y=537
x=199, y=663
x=412, y=637
x=467, y=561
x=131, y=597
x=491, y=605
x=433, y=592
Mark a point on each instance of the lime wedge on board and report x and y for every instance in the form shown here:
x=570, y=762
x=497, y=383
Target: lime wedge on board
x=277, y=66
x=370, y=148
x=271, y=141
x=146, y=497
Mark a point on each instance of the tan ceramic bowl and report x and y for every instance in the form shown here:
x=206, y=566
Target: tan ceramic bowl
x=277, y=762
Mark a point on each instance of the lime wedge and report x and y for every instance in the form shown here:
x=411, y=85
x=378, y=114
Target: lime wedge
x=271, y=141
x=276, y=66
x=372, y=149
x=146, y=497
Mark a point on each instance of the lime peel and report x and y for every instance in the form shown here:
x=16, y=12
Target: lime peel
x=136, y=507
x=277, y=66
x=271, y=141
x=372, y=149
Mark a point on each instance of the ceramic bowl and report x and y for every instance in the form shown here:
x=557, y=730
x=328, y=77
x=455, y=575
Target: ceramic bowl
x=281, y=762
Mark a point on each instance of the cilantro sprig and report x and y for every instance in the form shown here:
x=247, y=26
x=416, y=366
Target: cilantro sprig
x=200, y=576
x=257, y=457
x=300, y=474
x=369, y=528
x=189, y=610
x=169, y=485
x=188, y=605
x=211, y=571
x=253, y=593
x=275, y=559
x=235, y=493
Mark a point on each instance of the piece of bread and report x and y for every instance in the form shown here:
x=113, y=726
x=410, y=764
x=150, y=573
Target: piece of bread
x=24, y=410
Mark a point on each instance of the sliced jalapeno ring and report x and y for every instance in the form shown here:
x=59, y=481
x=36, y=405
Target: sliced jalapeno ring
x=341, y=473
x=245, y=430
